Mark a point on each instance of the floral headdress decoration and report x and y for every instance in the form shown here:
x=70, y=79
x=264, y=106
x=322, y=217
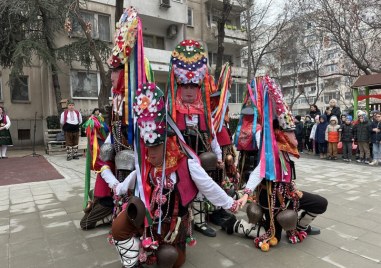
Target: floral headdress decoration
x=125, y=38
x=189, y=62
x=149, y=110
x=189, y=66
x=283, y=113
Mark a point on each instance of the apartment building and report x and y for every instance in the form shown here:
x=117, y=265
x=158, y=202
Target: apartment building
x=202, y=26
x=165, y=24
x=310, y=75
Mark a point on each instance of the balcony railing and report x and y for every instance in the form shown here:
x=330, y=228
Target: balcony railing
x=218, y=4
x=237, y=37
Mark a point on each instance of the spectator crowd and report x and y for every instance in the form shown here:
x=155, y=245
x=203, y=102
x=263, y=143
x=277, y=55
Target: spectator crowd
x=334, y=132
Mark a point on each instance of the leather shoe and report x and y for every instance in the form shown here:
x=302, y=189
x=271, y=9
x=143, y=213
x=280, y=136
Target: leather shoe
x=228, y=225
x=205, y=230
x=218, y=217
x=312, y=230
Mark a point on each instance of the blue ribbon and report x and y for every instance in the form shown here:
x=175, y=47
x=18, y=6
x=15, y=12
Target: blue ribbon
x=270, y=170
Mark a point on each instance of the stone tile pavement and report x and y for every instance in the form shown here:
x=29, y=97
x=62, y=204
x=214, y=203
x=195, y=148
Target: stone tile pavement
x=39, y=224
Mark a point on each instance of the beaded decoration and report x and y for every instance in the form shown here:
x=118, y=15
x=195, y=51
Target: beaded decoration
x=189, y=62
x=149, y=109
x=125, y=37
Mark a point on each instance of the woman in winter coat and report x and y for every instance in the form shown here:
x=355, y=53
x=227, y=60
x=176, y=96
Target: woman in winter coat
x=320, y=136
x=314, y=111
x=335, y=110
x=362, y=137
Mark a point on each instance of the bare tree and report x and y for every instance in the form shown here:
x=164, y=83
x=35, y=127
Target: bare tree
x=104, y=93
x=221, y=21
x=354, y=25
x=263, y=33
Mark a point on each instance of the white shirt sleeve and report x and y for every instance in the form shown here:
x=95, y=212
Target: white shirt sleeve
x=313, y=131
x=80, y=118
x=128, y=183
x=109, y=178
x=254, y=178
x=8, y=124
x=216, y=148
x=208, y=187
x=62, y=119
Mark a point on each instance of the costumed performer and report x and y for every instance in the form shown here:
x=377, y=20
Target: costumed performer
x=188, y=92
x=274, y=176
x=156, y=226
x=5, y=135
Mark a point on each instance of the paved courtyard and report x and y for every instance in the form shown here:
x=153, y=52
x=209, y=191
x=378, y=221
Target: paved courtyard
x=39, y=224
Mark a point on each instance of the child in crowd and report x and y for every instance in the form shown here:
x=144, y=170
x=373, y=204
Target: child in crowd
x=299, y=132
x=347, y=138
x=362, y=137
x=312, y=135
x=307, y=129
x=343, y=117
x=332, y=135
x=376, y=138
x=320, y=136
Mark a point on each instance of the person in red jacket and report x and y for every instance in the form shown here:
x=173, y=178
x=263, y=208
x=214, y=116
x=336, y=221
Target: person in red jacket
x=332, y=136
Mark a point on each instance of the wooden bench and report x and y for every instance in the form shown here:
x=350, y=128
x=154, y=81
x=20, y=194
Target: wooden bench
x=54, y=146
x=51, y=144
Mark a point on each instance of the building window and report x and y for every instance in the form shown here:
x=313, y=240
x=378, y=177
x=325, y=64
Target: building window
x=84, y=84
x=225, y=58
x=100, y=26
x=152, y=41
x=348, y=95
x=23, y=134
x=190, y=17
x=331, y=68
x=237, y=93
x=20, y=89
x=104, y=27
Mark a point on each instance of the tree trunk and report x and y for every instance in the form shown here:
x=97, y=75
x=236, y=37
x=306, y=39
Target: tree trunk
x=104, y=94
x=54, y=69
x=248, y=31
x=221, y=36
x=118, y=10
x=56, y=88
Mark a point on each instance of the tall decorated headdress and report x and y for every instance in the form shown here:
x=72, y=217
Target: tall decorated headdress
x=150, y=130
x=275, y=166
x=151, y=121
x=189, y=66
x=128, y=54
x=273, y=106
x=95, y=128
x=247, y=126
x=220, y=98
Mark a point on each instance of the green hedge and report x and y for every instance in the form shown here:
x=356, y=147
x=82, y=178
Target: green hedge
x=53, y=122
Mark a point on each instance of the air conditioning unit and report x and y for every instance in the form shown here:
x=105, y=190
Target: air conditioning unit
x=172, y=31
x=165, y=3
